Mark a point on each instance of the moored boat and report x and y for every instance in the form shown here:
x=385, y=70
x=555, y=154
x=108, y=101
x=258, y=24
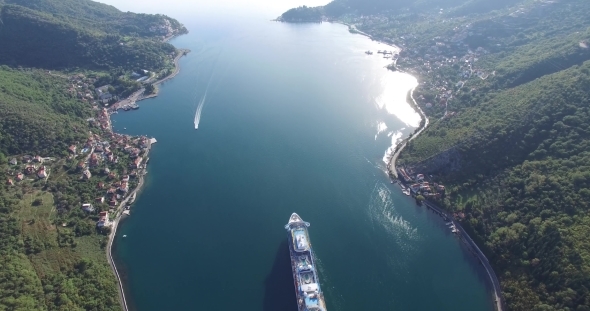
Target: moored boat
x=305, y=276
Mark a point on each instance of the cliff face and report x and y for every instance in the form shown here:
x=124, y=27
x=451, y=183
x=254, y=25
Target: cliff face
x=446, y=162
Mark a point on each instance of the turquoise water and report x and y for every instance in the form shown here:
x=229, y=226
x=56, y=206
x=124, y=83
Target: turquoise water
x=294, y=118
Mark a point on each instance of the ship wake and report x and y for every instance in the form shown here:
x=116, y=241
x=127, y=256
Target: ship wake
x=199, y=111
x=383, y=211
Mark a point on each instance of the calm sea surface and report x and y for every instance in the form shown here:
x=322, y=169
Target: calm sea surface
x=293, y=118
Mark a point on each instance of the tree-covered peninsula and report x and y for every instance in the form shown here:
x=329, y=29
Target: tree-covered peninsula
x=84, y=34
x=505, y=85
x=63, y=173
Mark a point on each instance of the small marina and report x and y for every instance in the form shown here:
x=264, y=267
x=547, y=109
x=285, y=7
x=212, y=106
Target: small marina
x=386, y=54
x=128, y=107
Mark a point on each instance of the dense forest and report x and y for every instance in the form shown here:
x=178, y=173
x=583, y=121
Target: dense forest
x=37, y=114
x=85, y=34
x=505, y=85
x=521, y=176
x=338, y=8
x=302, y=14
x=93, y=15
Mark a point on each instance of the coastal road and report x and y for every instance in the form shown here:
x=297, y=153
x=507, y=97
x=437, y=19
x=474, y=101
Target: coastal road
x=466, y=238
x=480, y=256
x=141, y=96
x=129, y=100
x=181, y=53
x=114, y=232
x=393, y=159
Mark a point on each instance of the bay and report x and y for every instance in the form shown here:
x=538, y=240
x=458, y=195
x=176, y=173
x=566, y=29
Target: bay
x=294, y=118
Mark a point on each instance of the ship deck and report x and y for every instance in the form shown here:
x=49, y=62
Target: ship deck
x=307, y=288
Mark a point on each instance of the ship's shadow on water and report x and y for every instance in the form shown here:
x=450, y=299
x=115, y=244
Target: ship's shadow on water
x=279, y=290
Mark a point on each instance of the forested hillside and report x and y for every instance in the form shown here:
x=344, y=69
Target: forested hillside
x=94, y=15
x=84, y=34
x=506, y=86
x=54, y=144
x=49, y=259
x=37, y=114
x=522, y=178
x=337, y=9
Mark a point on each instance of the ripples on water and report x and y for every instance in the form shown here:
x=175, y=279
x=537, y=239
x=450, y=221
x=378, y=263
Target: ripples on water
x=405, y=238
x=336, y=301
x=383, y=212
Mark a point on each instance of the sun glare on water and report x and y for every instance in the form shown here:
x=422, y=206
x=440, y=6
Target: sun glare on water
x=393, y=98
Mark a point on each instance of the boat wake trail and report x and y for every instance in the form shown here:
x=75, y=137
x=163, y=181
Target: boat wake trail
x=199, y=110
x=201, y=104
x=383, y=211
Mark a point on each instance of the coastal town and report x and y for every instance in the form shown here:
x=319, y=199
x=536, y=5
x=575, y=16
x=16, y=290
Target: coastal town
x=445, y=54
x=67, y=177
x=113, y=163
x=455, y=58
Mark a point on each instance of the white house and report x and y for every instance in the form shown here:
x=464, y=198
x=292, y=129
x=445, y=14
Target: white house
x=87, y=207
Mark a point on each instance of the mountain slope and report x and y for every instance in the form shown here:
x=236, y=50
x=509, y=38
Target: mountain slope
x=37, y=114
x=523, y=182
x=52, y=253
x=85, y=34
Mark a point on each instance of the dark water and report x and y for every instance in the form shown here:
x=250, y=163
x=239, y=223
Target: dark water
x=293, y=121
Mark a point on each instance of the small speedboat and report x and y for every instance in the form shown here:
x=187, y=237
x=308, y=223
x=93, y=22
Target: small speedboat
x=124, y=235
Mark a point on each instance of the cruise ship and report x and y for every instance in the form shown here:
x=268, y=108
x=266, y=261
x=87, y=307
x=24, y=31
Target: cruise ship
x=305, y=275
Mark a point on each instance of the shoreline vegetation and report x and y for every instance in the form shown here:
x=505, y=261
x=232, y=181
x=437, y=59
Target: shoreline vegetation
x=181, y=53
